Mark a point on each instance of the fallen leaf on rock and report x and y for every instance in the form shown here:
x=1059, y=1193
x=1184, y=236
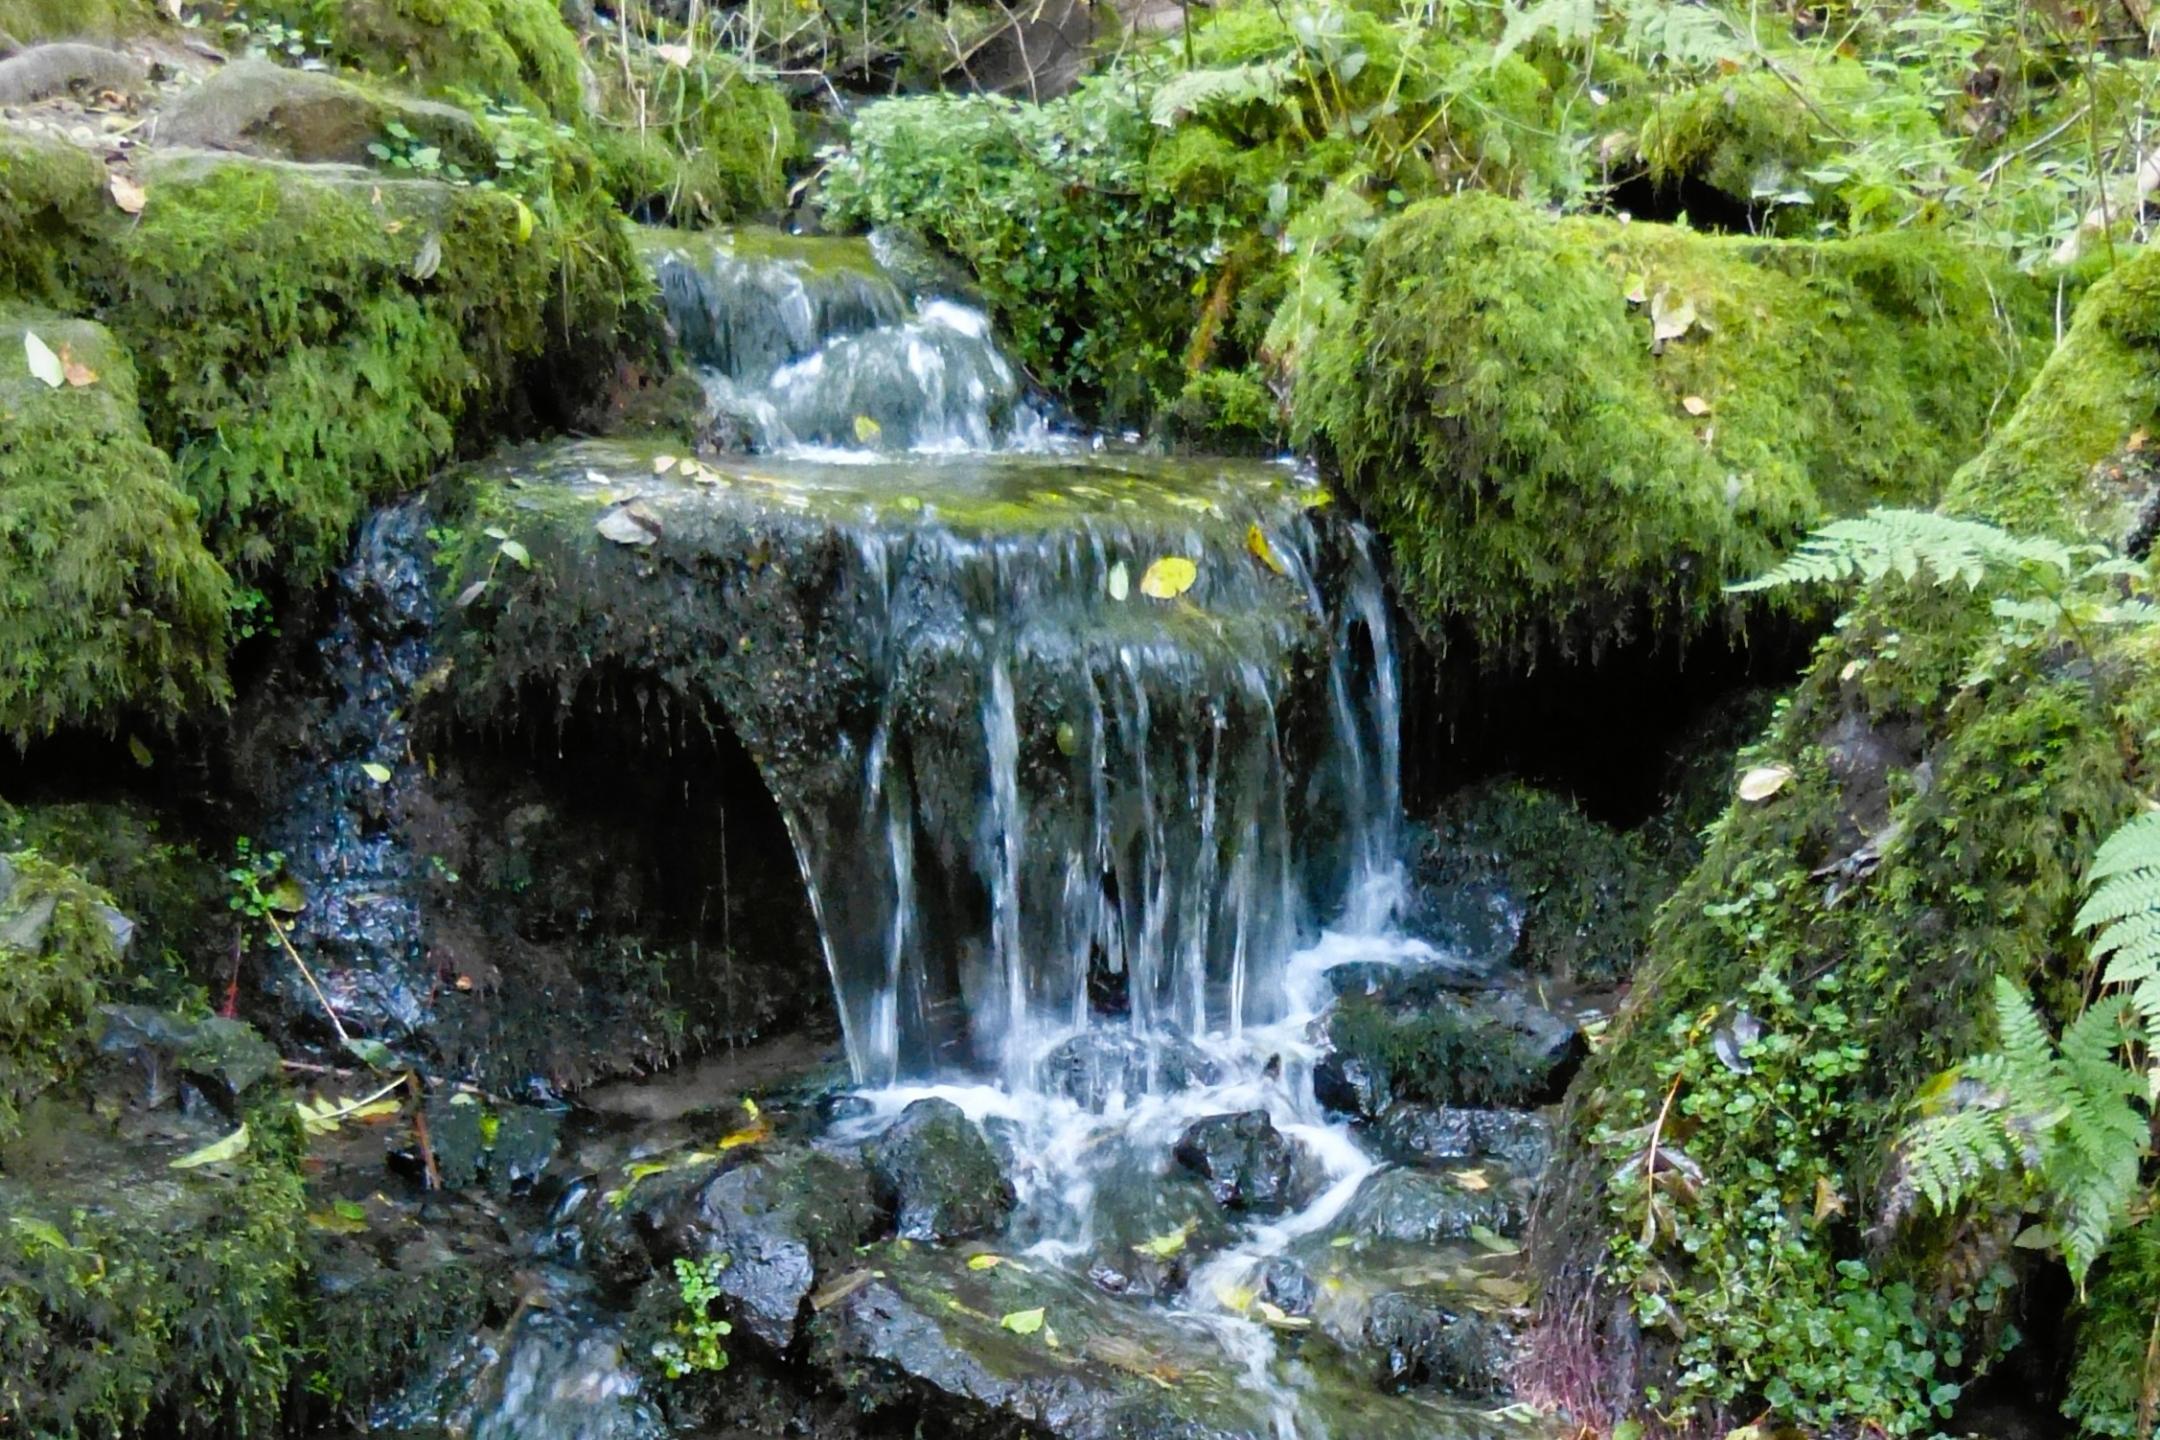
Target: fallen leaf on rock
x=126, y=194
x=1024, y=1322
x=1257, y=542
x=628, y=525
x=232, y=1147
x=1120, y=581
x=1695, y=405
x=1671, y=316
x=429, y=260
x=44, y=364
x=1764, y=781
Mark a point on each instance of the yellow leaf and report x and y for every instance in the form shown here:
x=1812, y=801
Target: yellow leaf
x=1169, y=577
x=232, y=1147
x=1472, y=1180
x=126, y=194
x=867, y=430
x=750, y=1134
x=1695, y=405
x=1257, y=542
x=525, y=222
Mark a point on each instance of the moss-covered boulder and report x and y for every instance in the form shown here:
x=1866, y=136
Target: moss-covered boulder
x=137, y=1298
x=50, y=193
x=1728, y=1229
x=504, y=51
x=60, y=943
x=264, y=109
x=1573, y=432
x=31, y=21
x=316, y=337
x=108, y=600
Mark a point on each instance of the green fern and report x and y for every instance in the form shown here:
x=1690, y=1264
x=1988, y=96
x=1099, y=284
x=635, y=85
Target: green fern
x=2124, y=910
x=1917, y=544
x=1201, y=92
x=2075, y=1116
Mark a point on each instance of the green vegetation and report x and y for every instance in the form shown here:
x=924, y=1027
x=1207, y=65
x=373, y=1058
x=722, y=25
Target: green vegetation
x=33, y=21
x=1898, y=881
x=694, y=1344
x=705, y=141
x=57, y=953
x=508, y=51
x=48, y=191
x=107, y=597
x=1576, y=431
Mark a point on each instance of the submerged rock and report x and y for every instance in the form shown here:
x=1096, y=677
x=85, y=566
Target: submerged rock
x=1246, y=1163
x=1428, y=1337
x=1099, y=1064
x=1435, y=1135
x=936, y=1174
x=1423, y=1207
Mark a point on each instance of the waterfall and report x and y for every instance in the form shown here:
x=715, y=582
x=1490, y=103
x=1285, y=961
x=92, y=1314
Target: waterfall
x=1067, y=803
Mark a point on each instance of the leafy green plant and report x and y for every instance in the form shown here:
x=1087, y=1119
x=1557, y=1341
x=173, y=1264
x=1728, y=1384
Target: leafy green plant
x=694, y=1347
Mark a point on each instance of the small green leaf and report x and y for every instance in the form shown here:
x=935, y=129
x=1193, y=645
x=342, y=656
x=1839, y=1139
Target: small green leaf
x=1024, y=1322
x=376, y=771
x=512, y=550
x=371, y=1053
x=350, y=1209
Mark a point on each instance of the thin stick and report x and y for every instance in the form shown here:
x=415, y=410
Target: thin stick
x=309, y=976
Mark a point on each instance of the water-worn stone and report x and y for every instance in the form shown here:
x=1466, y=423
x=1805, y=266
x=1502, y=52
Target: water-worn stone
x=1412, y=1134
x=1094, y=1065
x=1246, y=1163
x=259, y=108
x=1423, y=1206
x=1423, y=1337
x=43, y=71
x=220, y=1059
x=1352, y=1085
x=1288, y=1286
x=938, y=1176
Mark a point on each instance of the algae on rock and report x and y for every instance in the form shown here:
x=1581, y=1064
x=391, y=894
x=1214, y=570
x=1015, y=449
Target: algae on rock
x=1575, y=432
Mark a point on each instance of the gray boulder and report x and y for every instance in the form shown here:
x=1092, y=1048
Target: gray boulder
x=938, y=1176
x=257, y=108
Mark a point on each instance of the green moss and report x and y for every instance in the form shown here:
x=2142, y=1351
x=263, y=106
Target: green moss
x=32, y=21
x=709, y=141
x=1749, y=137
x=175, y=895
x=1549, y=481
x=1445, y=1051
x=136, y=1299
x=49, y=190
x=499, y=50
x=57, y=954
x=315, y=341
x=2118, y=1365
x=108, y=600
x=1583, y=893
x=1932, y=834
x=373, y=1321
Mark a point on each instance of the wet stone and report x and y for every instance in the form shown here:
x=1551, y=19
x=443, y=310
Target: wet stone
x=938, y=1176
x=782, y=1220
x=1246, y=1163
x=217, y=1058
x=1288, y=1286
x=1427, y=1337
x=1352, y=1085
x=526, y=1137
x=1096, y=1065
x=1424, y=1206
x=1432, y=1135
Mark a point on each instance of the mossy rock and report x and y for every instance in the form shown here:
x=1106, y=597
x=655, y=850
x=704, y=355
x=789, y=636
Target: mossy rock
x=2117, y=1359
x=318, y=337
x=505, y=51
x=50, y=194
x=59, y=948
x=108, y=601
x=138, y=1299
x=259, y=108
x=1509, y=868
x=1552, y=477
x=1925, y=830
x=32, y=21
x=155, y=875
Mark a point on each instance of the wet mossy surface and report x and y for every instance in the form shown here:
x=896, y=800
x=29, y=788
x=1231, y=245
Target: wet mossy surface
x=506, y=51
x=1553, y=477
x=58, y=952
x=108, y=599
x=49, y=191
x=699, y=143
x=1832, y=953
x=34, y=21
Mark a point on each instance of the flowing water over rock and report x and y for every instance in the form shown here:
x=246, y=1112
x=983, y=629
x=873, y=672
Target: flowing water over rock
x=1089, y=763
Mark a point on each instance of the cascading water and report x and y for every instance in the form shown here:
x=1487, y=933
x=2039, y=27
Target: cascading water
x=1084, y=862
x=1089, y=762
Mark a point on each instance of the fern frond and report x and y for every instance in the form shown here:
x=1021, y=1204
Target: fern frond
x=1946, y=1156
x=1197, y=92
x=1914, y=544
x=2135, y=846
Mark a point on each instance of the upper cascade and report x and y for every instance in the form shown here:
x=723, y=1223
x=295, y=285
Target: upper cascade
x=815, y=348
